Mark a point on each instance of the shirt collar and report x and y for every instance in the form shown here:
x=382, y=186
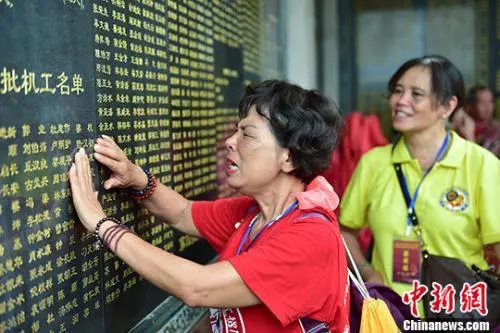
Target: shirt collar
x=452, y=158
x=318, y=193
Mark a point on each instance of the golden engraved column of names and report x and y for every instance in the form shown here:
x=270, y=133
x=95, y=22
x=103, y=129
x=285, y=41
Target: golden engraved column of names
x=227, y=32
x=138, y=118
x=270, y=40
x=117, y=59
x=252, y=62
x=192, y=96
x=113, y=76
x=191, y=59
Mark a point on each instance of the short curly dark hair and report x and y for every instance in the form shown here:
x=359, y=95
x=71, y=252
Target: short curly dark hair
x=303, y=121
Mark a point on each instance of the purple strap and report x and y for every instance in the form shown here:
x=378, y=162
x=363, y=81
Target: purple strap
x=320, y=215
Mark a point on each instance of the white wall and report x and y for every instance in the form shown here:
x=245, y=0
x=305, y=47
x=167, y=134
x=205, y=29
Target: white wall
x=301, y=43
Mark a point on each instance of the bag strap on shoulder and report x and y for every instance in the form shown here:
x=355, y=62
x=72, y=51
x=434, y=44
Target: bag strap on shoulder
x=354, y=277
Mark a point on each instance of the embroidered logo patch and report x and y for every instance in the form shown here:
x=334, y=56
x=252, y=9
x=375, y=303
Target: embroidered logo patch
x=455, y=199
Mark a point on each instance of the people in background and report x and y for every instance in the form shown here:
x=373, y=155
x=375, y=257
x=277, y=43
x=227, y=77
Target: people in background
x=463, y=124
x=281, y=263
x=360, y=133
x=481, y=107
x=456, y=205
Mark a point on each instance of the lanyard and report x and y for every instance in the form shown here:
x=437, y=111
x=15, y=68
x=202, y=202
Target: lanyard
x=413, y=200
x=267, y=225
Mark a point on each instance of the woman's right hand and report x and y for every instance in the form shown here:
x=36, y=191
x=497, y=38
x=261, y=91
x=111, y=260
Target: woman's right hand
x=124, y=173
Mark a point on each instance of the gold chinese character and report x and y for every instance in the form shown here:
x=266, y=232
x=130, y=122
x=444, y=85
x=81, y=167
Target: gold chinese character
x=29, y=82
x=16, y=225
x=41, y=130
x=12, y=150
x=77, y=84
x=13, y=170
x=17, y=244
x=26, y=130
x=35, y=327
x=30, y=202
x=15, y=206
x=47, y=76
x=8, y=81
x=62, y=86
x=4, y=171
x=45, y=198
x=11, y=133
x=14, y=188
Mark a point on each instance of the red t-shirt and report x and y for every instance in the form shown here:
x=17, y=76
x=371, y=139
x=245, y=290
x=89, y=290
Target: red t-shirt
x=297, y=267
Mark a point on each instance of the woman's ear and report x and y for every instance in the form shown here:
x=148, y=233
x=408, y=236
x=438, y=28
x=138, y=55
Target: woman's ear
x=449, y=107
x=287, y=164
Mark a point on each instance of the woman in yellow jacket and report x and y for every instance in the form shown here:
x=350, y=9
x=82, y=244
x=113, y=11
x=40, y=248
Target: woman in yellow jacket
x=454, y=184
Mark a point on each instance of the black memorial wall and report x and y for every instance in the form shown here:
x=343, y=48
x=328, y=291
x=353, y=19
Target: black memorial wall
x=163, y=78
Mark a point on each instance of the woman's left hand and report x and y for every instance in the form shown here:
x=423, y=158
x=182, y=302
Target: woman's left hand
x=87, y=206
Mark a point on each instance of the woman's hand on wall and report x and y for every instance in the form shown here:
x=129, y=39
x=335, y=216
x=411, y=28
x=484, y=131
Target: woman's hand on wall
x=124, y=173
x=87, y=206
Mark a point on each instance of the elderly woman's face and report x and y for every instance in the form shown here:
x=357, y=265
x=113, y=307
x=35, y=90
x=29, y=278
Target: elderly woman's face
x=254, y=156
x=413, y=105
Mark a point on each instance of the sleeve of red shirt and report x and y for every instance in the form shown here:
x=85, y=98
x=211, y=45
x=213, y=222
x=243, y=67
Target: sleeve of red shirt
x=215, y=220
x=290, y=272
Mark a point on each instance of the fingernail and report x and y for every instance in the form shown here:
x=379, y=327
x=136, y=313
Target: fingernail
x=82, y=150
x=105, y=136
x=97, y=147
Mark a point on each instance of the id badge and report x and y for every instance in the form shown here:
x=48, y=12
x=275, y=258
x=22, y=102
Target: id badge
x=406, y=264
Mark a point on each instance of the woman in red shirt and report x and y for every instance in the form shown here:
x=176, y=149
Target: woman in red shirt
x=281, y=264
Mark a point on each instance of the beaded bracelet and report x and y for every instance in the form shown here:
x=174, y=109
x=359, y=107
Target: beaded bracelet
x=116, y=230
x=98, y=226
x=148, y=190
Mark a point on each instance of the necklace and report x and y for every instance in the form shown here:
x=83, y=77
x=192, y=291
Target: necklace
x=266, y=225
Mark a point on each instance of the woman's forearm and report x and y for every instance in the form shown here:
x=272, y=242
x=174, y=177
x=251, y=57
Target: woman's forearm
x=164, y=270
x=351, y=239
x=166, y=204
x=216, y=285
x=169, y=206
